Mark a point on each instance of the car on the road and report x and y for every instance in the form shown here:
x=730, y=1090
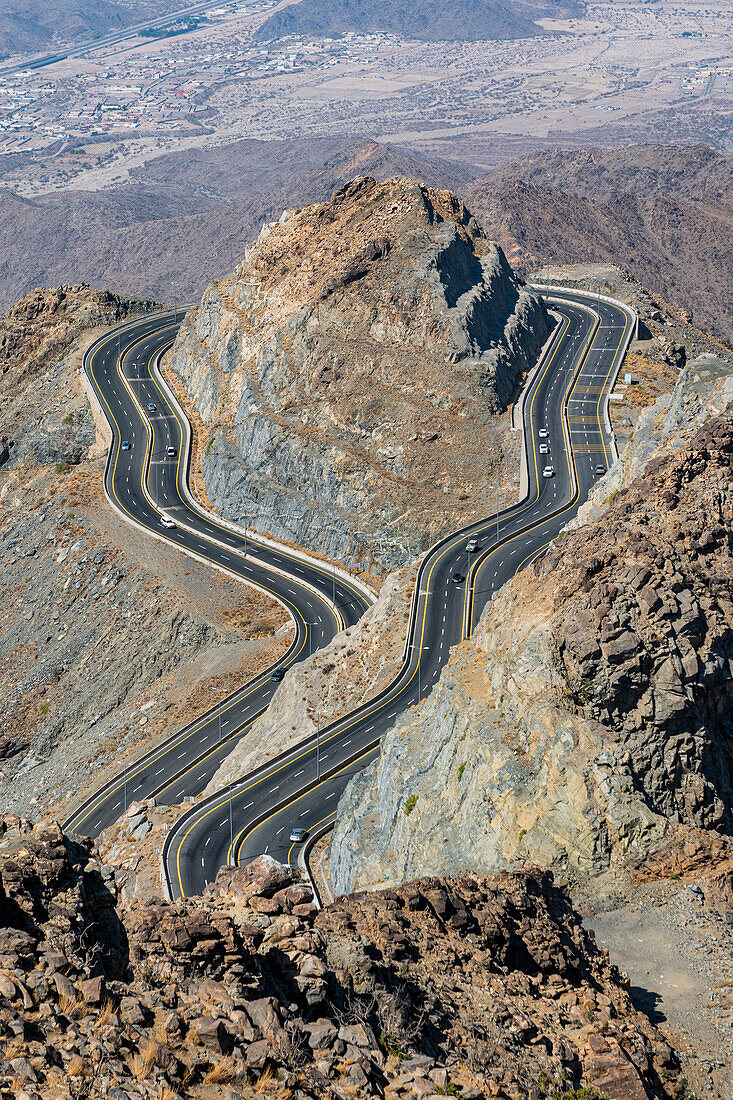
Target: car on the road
x=171, y=452
x=600, y=469
x=544, y=448
x=165, y=521
x=126, y=445
x=277, y=674
x=151, y=407
x=472, y=546
x=457, y=577
x=298, y=835
x=543, y=433
x=549, y=471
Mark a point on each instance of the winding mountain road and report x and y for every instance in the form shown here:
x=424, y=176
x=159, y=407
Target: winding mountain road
x=566, y=398
x=144, y=483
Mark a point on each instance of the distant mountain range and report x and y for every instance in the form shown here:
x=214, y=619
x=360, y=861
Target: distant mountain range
x=429, y=20
x=665, y=212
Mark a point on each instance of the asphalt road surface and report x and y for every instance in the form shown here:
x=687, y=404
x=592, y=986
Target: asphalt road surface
x=564, y=411
x=147, y=484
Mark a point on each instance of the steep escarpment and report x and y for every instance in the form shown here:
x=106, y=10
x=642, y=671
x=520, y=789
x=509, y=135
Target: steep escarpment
x=350, y=371
x=586, y=726
x=109, y=641
x=464, y=986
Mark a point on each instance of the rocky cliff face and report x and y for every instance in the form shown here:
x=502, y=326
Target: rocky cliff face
x=471, y=987
x=587, y=724
x=350, y=370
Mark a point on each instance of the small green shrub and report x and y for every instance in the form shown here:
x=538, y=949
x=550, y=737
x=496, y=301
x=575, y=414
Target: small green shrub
x=210, y=444
x=69, y=420
x=461, y=770
x=62, y=467
x=675, y=878
x=522, y=835
x=410, y=804
x=44, y=707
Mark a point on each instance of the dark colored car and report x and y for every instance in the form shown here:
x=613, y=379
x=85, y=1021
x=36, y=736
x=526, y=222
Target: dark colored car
x=457, y=577
x=277, y=675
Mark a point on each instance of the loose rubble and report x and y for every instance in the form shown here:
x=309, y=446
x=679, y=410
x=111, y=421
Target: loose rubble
x=461, y=986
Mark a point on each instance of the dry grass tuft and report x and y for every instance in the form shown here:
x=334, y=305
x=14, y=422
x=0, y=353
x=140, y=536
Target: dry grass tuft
x=76, y=1067
x=222, y=1071
x=142, y=1063
x=106, y=1012
x=67, y=1004
x=160, y=1031
x=266, y=1079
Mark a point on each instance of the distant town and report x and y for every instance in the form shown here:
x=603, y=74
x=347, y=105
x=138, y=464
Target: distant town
x=160, y=92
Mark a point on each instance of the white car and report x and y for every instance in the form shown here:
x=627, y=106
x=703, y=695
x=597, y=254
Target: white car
x=472, y=546
x=543, y=433
x=171, y=452
x=544, y=448
x=166, y=522
x=549, y=471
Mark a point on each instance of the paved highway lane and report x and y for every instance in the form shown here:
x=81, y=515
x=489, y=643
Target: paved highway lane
x=146, y=480
x=566, y=400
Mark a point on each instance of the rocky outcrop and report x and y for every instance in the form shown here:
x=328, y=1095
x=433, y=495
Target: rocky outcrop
x=35, y=336
x=349, y=371
x=586, y=726
x=462, y=986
